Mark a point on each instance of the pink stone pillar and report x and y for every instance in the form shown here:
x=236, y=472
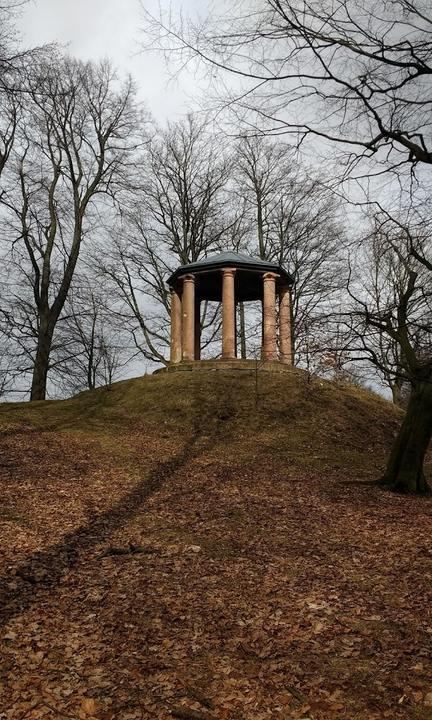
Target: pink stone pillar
x=269, y=351
x=188, y=317
x=285, y=326
x=197, y=329
x=176, y=324
x=228, y=314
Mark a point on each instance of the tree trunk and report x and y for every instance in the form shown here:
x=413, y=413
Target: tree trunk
x=40, y=370
x=396, y=393
x=41, y=366
x=405, y=468
x=90, y=371
x=400, y=392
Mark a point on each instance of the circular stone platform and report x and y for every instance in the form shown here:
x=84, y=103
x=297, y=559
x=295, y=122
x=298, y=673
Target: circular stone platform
x=242, y=365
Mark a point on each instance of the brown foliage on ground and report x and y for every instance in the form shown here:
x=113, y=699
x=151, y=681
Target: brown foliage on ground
x=169, y=550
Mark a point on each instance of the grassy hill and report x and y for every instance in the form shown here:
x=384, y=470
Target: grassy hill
x=183, y=546
x=307, y=422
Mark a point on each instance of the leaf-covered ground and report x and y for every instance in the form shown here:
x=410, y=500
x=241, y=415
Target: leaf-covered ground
x=179, y=547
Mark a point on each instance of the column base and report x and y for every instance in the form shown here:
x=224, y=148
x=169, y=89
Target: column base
x=222, y=364
x=269, y=357
x=286, y=359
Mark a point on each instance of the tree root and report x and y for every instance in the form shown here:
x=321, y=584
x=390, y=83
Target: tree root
x=403, y=488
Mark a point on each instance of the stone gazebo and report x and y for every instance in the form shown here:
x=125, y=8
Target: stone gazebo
x=229, y=278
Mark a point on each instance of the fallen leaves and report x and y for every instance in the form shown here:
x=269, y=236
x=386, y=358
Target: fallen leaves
x=89, y=707
x=150, y=577
x=184, y=713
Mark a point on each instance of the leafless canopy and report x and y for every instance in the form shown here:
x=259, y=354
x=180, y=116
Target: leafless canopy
x=352, y=71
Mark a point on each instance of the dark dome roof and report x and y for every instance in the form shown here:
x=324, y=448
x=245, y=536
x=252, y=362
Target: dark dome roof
x=230, y=259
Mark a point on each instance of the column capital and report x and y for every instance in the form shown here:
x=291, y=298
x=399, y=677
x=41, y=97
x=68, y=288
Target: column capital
x=188, y=278
x=270, y=276
x=228, y=271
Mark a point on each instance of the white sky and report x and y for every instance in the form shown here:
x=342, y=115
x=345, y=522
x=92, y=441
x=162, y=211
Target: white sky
x=95, y=29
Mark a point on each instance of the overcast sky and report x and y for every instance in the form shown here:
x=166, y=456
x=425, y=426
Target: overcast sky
x=97, y=29
x=93, y=29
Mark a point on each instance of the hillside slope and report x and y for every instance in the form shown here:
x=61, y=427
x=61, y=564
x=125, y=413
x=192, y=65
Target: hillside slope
x=180, y=545
x=309, y=422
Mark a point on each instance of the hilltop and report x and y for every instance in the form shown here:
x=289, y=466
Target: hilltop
x=308, y=421
x=183, y=546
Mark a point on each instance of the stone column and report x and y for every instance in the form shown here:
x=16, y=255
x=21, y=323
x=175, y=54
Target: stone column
x=269, y=351
x=197, y=329
x=235, y=329
x=228, y=314
x=188, y=317
x=285, y=325
x=242, y=331
x=176, y=327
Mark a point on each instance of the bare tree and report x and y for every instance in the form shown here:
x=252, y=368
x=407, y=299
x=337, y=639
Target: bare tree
x=392, y=323
x=355, y=72
x=383, y=277
x=136, y=277
x=181, y=213
x=10, y=52
x=182, y=199
x=294, y=220
x=13, y=62
x=261, y=180
x=93, y=349
x=75, y=139
x=9, y=109
x=9, y=368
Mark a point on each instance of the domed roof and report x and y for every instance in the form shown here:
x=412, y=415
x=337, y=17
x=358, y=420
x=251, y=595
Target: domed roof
x=229, y=256
x=230, y=259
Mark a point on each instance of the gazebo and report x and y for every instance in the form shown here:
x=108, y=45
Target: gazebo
x=230, y=278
